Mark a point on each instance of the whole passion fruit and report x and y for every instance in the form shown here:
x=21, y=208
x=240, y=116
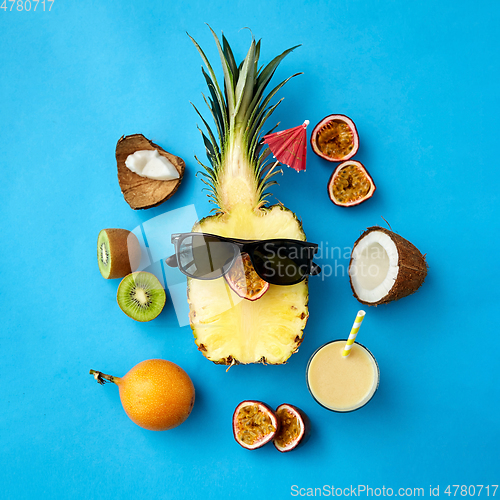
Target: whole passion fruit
x=294, y=428
x=244, y=280
x=335, y=138
x=254, y=424
x=350, y=184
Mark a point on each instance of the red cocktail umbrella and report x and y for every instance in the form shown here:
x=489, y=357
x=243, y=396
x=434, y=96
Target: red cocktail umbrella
x=289, y=146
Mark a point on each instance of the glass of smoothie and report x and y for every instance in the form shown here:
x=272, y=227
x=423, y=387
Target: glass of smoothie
x=342, y=384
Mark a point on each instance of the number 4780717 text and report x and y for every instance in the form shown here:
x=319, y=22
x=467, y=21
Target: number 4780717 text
x=26, y=5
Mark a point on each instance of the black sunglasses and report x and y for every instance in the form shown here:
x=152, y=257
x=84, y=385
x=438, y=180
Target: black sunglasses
x=208, y=256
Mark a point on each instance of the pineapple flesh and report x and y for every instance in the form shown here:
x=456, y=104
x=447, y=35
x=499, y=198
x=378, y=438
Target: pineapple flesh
x=229, y=329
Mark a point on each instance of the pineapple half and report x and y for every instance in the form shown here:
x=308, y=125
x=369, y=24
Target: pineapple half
x=227, y=329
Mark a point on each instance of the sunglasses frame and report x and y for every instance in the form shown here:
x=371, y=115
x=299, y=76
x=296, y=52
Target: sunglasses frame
x=245, y=246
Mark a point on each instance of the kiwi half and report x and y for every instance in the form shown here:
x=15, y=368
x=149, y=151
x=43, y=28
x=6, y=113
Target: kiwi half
x=118, y=253
x=141, y=296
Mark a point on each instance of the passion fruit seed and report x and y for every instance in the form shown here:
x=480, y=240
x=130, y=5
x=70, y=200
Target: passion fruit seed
x=335, y=139
x=253, y=424
x=351, y=184
x=289, y=428
x=293, y=428
x=244, y=280
x=245, y=276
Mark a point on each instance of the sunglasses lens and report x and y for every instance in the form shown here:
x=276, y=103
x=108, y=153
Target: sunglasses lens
x=202, y=256
x=282, y=263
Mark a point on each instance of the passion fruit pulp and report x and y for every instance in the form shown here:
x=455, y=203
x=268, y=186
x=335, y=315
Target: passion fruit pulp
x=294, y=427
x=244, y=280
x=335, y=138
x=254, y=424
x=350, y=184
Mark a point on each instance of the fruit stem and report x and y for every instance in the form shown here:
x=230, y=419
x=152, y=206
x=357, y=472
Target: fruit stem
x=102, y=378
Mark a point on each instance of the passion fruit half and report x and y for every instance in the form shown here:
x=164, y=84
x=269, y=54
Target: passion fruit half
x=294, y=428
x=254, y=424
x=350, y=184
x=335, y=138
x=244, y=280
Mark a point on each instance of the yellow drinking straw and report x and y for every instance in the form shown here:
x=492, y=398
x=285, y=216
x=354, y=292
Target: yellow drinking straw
x=354, y=332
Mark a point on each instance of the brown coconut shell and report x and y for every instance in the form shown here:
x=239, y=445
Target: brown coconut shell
x=412, y=268
x=140, y=192
x=125, y=252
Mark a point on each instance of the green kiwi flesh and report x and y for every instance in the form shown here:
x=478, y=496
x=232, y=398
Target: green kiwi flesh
x=141, y=296
x=118, y=253
x=103, y=254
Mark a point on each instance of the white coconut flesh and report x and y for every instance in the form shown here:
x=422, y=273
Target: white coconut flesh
x=374, y=267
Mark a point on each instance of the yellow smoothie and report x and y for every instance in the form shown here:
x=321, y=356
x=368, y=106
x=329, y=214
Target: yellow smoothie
x=339, y=383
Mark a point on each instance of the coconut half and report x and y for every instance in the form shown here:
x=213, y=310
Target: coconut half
x=385, y=267
x=141, y=192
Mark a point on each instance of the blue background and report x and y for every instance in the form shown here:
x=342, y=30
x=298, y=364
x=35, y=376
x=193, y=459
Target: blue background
x=420, y=80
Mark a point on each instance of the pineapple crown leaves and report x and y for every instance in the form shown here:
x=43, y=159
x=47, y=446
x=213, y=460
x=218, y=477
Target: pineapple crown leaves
x=239, y=110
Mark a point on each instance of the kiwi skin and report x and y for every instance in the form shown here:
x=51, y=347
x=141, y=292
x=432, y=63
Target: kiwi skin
x=124, y=252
